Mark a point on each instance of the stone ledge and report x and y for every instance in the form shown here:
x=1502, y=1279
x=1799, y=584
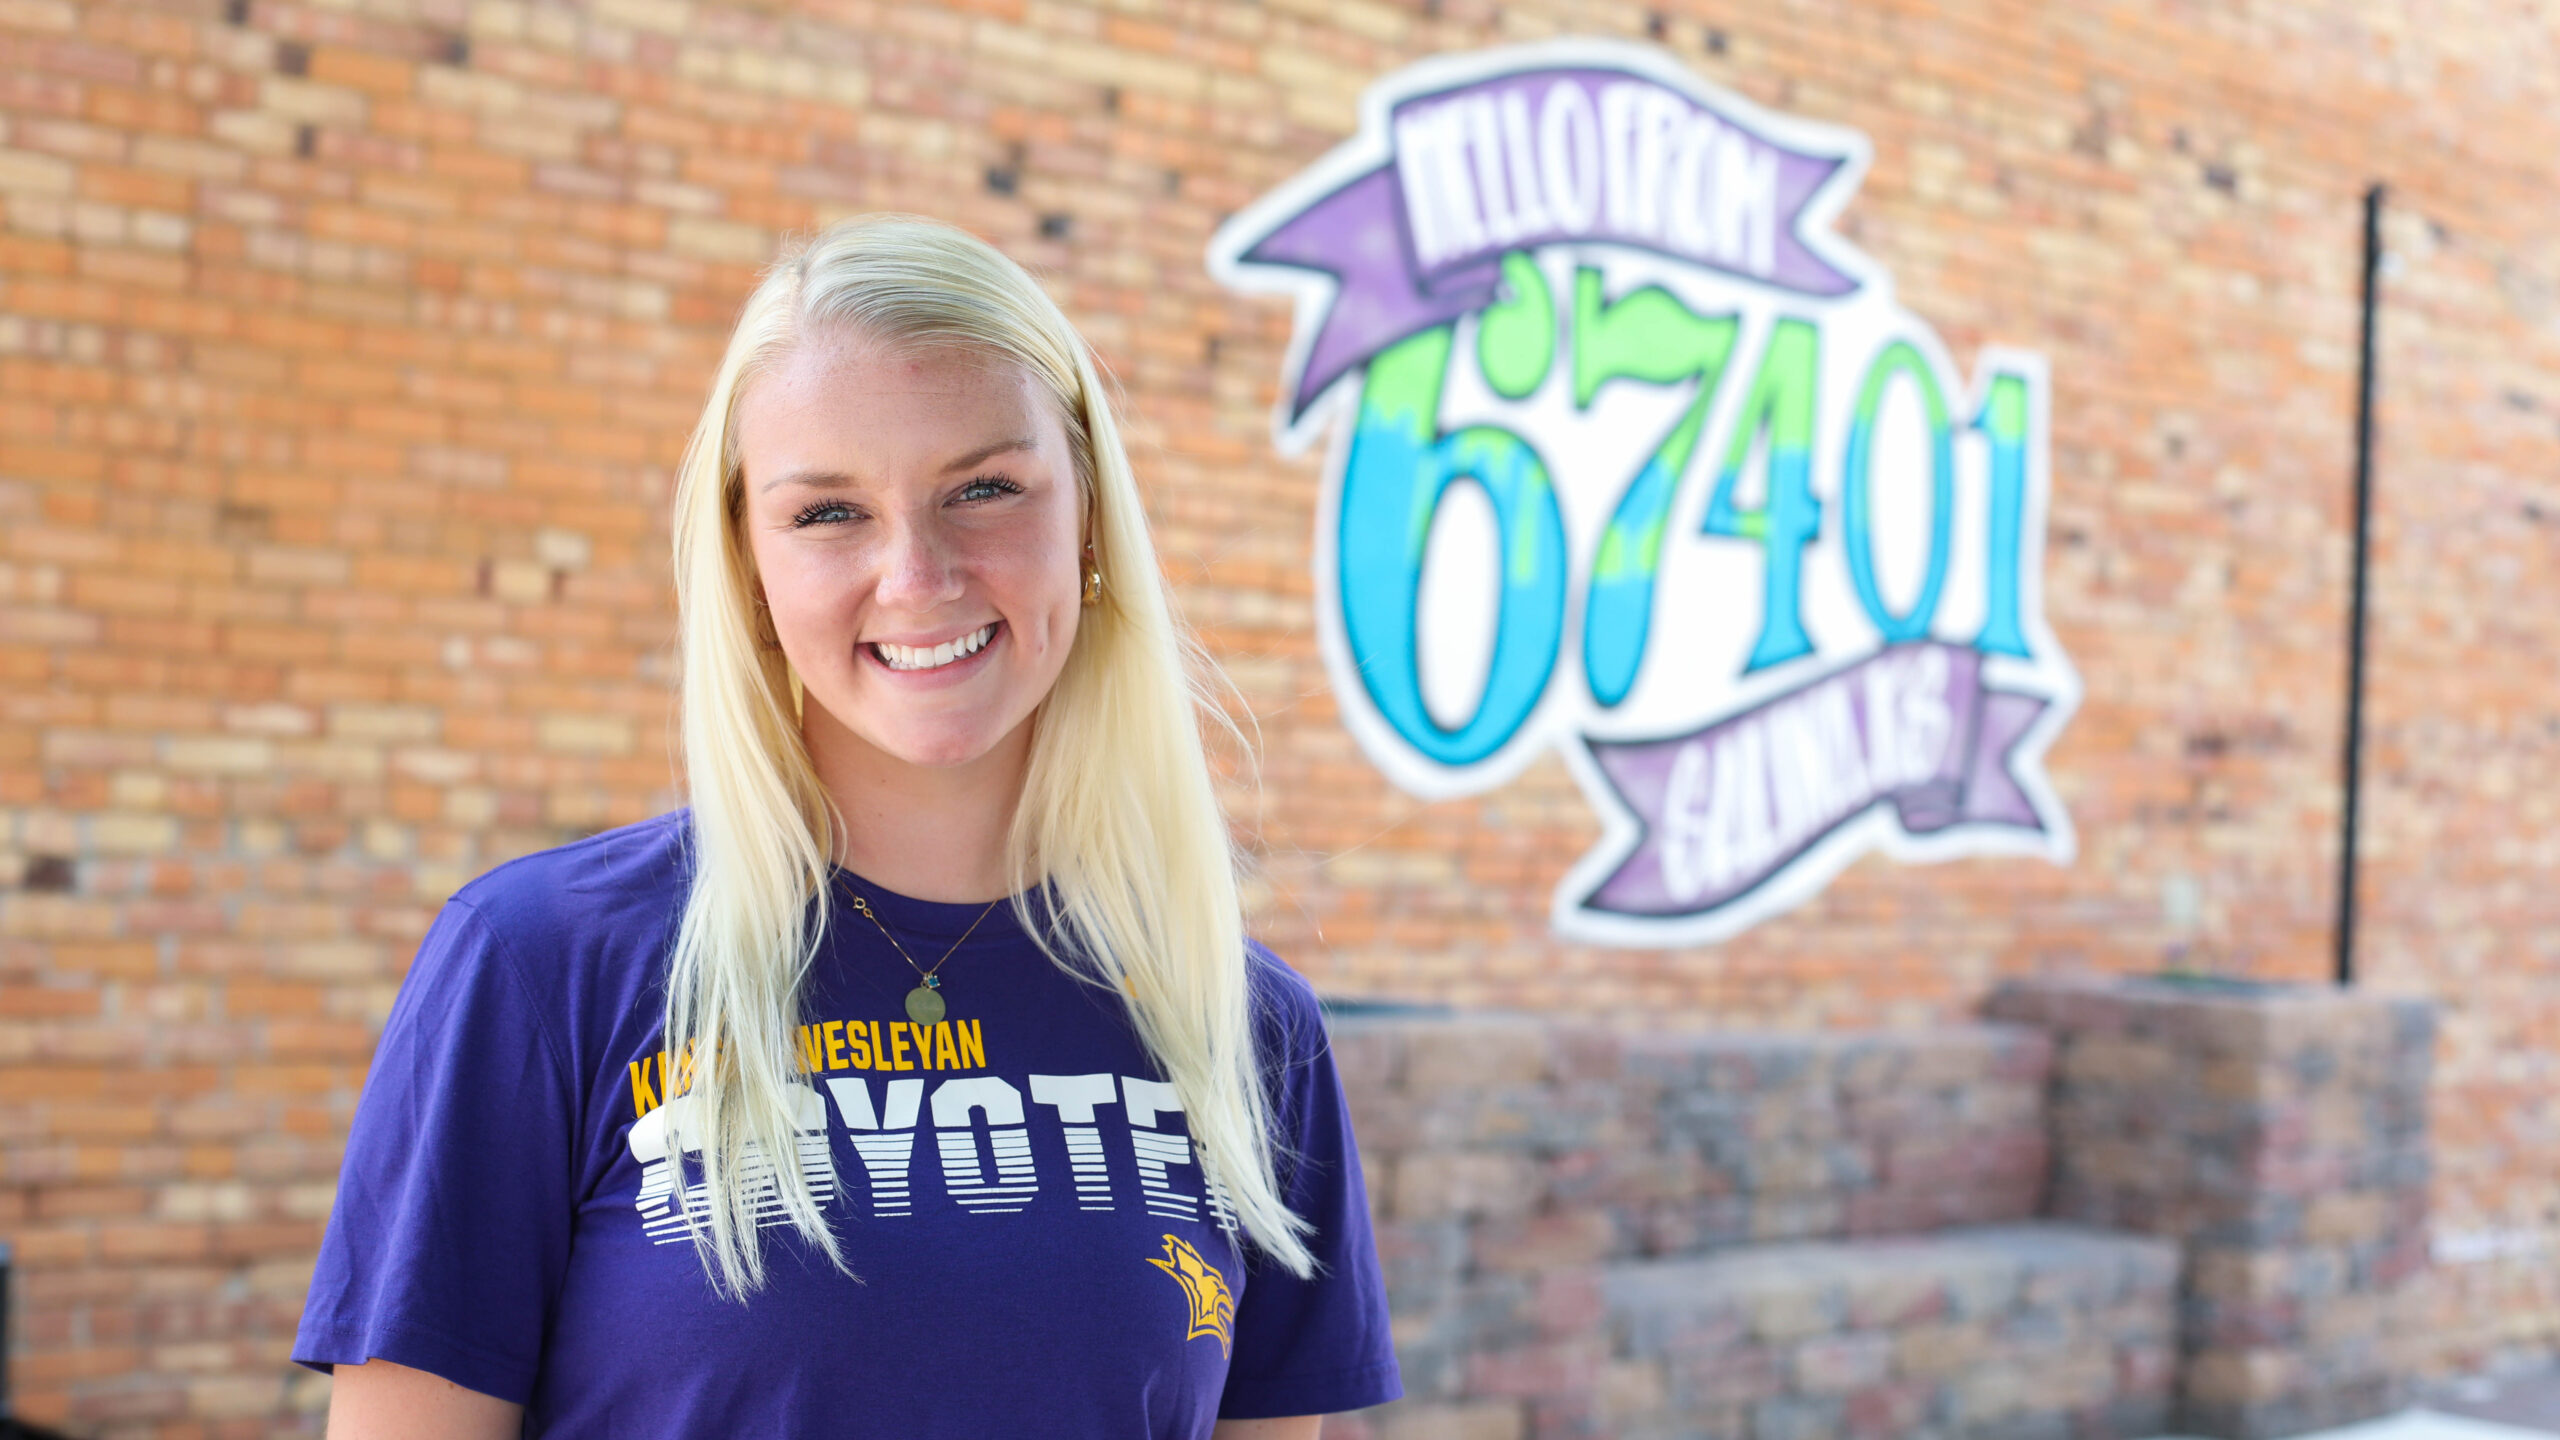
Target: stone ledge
x=2031, y=1329
x=2028, y=1331
x=1526, y=1143
x=1956, y=1273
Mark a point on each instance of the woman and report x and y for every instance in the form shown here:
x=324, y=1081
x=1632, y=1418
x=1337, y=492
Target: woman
x=951, y=926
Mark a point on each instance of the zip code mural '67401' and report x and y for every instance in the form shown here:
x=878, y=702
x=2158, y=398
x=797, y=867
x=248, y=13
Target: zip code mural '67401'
x=1632, y=457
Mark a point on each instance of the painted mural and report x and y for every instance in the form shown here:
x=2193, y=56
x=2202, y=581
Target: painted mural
x=1633, y=459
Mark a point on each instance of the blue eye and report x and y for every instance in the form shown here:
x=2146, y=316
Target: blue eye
x=987, y=487
x=823, y=512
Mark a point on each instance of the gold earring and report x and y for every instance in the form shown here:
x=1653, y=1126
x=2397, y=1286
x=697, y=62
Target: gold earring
x=1092, y=580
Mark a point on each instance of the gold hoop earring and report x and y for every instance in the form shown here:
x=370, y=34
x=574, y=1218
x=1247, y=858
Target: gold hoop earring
x=1092, y=579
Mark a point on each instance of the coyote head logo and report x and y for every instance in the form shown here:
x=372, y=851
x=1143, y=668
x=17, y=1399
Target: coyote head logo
x=1213, y=1305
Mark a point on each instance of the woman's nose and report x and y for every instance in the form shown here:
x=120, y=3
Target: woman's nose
x=917, y=572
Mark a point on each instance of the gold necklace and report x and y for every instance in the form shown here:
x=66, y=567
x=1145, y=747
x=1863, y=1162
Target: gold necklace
x=924, y=1003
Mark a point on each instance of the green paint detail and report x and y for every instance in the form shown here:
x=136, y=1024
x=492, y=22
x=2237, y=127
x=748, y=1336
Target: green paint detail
x=1629, y=552
x=1503, y=464
x=1780, y=406
x=1782, y=394
x=1397, y=470
x=2005, y=417
x=1403, y=389
x=1403, y=394
x=1631, y=547
x=1899, y=358
x=1644, y=335
x=1529, y=557
x=1516, y=339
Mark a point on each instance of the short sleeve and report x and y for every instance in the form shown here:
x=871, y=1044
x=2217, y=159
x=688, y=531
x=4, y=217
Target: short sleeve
x=1319, y=1345
x=450, y=1233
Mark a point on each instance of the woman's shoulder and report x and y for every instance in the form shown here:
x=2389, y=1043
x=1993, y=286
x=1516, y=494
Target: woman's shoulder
x=562, y=945
x=623, y=884
x=1285, y=1008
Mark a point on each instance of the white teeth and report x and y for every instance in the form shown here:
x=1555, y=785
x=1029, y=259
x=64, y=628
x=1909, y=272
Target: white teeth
x=917, y=657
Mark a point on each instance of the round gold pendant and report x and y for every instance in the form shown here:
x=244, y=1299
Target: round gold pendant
x=925, y=1006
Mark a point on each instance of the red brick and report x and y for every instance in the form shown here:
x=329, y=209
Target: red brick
x=438, y=367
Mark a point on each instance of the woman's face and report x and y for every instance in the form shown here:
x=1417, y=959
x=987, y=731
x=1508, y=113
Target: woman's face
x=917, y=532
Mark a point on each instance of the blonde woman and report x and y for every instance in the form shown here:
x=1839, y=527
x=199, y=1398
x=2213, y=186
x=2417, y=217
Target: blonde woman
x=918, y=1080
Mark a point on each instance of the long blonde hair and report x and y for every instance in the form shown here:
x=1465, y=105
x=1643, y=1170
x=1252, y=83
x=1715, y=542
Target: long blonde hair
x=1118, y=815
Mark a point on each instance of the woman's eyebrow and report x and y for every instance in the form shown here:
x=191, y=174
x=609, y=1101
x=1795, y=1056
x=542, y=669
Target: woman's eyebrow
x=986, y=452
x=828, y=479
x=814, y=479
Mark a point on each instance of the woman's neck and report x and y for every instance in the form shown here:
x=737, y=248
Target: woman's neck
x=925, y=832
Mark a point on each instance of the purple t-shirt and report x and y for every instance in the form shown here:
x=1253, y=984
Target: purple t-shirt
x=1038, y=1250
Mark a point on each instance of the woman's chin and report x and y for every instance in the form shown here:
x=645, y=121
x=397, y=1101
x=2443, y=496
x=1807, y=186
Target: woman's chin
x=943, y=752
x=929, y=747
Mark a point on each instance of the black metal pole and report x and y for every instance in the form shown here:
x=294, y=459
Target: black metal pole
x=12, y=1429
x=2354, y=757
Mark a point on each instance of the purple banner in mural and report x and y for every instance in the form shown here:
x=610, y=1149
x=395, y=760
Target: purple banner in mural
x=1726, y=807
x=1533, y=158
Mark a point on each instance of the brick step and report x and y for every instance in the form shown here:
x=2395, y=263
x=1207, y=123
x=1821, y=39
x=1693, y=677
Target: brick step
x=2025, y=1331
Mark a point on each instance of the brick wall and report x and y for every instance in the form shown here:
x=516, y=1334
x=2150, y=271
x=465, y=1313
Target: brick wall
x=345, y=348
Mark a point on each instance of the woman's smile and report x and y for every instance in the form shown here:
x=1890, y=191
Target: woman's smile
x=948, y=659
